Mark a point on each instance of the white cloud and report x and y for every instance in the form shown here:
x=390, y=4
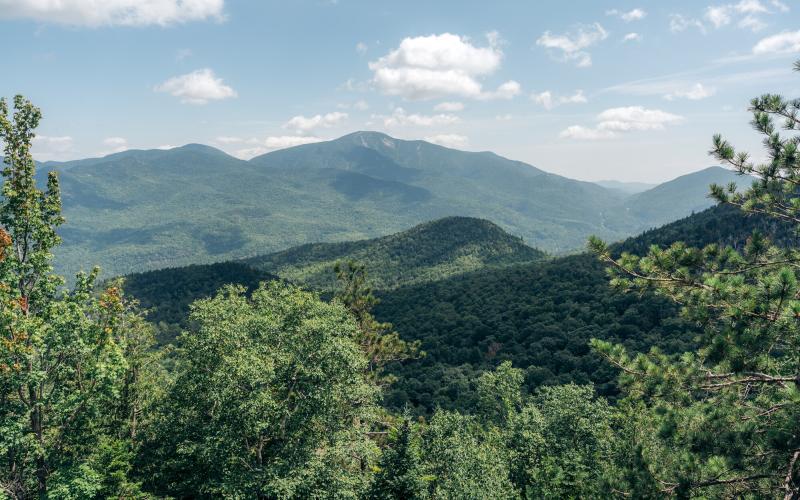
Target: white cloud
x=785, y=42
x=303, y=125
x=632, y=37
x=678, y=23
x=549, y=101
x=361, y=48
x=585, y=133
x=400, y=118
x=255, y=146
x=718, y=15
x=572, y=45
x=722, y=15
x=288, y=141
x=95, y=13
x=46, y=147
x=228, y=140
x=182, y=54
x=632, y=15
x=361, y=105
x=507, y=90
x=454, y=141
x=752, y=23
x=780, y=5
x=197, y=87
x=694, y=93
x=114, y=145
x=429, y=67
x=504, y=118
x=635, y=118
x=449, y=106
x=613, y=121
x=750, y=7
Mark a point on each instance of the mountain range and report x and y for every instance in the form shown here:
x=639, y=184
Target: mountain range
x=507, y=302
x=148, y=209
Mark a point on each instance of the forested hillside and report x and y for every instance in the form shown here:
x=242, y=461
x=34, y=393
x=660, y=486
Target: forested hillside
x=126, y=216
x=424, y=253
x=165, y=295
x=501, y=303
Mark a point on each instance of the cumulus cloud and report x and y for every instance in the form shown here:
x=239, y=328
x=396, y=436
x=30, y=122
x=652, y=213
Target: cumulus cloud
x=632, y=37
x=197, y=87
x=429, y=67
x=95, y=13
x=746, y=11
x=585, y=133
x=614, y=121
x=507, y=90
x=400, y=118
x=549, y=101
x=303, y=125
x=678, y=23
x=782, y=43
x=114, y=145
x=571, y=46
x=694, y=93
x=455, y=141
x=782, y=7
x=47, y=147
x=246, y=148
x=449, y=106
x=631, y=15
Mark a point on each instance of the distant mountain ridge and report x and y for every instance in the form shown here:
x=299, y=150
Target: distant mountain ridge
x=626, y=187
x=671, y=200
x=149, y=209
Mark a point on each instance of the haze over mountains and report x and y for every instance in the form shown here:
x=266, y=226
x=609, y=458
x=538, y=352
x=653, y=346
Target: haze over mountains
x=140, y=210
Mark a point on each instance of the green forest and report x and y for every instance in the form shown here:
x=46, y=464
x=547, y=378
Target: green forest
x=665, y=365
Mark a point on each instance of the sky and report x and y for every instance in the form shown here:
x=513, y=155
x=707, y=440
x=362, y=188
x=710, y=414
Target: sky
x=591, y=90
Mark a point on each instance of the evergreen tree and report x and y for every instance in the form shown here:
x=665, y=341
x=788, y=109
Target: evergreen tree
x=380, y=344
x=724, y=421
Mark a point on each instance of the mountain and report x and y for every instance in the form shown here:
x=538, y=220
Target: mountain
x=141, y=210
x=538, y=313
x=428, y=252
x=626, y=187
x=682, y=196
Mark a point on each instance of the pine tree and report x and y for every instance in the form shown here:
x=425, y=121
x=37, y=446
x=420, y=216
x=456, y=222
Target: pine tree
x=380, y=344
x=724, y=421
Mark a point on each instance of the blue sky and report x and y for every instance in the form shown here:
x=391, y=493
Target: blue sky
x=591, y=90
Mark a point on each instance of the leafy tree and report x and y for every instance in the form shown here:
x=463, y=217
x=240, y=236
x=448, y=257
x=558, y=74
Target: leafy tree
x=270, y=399
x=399, y=473
x=464, y=459
x=380, y=344
x=724, y=421
x=61, y=354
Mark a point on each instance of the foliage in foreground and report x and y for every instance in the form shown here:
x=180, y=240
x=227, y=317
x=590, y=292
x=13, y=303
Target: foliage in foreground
x=274, y=395
x=724, y=420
